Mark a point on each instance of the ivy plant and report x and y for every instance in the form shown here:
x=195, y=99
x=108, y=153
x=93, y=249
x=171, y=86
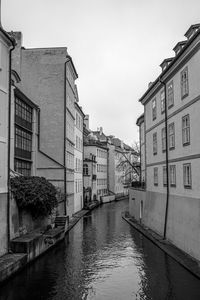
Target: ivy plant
x=34, y=194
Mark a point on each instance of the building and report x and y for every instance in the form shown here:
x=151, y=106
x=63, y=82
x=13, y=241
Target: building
x=170, y=203
x=78, y=157
x=47, y=77
x=6, y=47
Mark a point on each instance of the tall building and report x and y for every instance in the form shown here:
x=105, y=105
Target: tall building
x=170, y=203
x=78, y=158
x=6, y=46
x=47, y=77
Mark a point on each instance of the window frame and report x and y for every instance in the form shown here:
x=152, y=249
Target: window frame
x=186, y=184
x=155, y=176
x=172, y=182
x=155, y=144
x=170, y=95
x=154, y=109
x=164, y=175
x=163, y=138
x=184, y=83
x=171, y=136
x=184, y=130
x=162, y=101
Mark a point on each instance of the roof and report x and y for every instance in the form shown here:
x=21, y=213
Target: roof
x=140, y=120
x=188, y=43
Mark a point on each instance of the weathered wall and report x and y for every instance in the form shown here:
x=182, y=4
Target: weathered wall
x=183, y=226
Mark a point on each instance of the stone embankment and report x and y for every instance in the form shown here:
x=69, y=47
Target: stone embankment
x=181, y=257
x=28, y=247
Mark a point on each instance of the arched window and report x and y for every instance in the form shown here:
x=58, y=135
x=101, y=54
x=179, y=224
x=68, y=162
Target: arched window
x=85, y=169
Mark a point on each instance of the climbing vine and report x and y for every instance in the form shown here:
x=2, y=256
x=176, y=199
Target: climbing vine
x=34, y=194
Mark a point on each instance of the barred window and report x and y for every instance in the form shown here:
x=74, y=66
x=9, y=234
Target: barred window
x=23, y=167
x=186, y=130
x=23, y=114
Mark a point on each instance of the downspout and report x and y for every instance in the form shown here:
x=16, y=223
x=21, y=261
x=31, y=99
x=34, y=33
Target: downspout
x=167, y=160
x=9, y=136
x=65, y=122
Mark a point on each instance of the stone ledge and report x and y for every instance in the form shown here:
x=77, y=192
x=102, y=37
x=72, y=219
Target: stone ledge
x=188, y=262
x=10, y=264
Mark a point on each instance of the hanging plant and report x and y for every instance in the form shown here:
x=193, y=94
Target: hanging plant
x=34, y=194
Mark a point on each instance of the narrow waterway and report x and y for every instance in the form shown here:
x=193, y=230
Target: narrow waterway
x=103, y=258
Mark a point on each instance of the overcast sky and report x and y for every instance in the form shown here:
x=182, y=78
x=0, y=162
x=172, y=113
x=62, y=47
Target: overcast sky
x=116, y=45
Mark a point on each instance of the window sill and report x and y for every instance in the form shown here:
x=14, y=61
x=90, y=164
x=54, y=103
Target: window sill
x=170, y=106
x=186, y=144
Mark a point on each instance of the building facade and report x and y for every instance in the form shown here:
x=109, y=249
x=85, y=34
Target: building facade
x=78, y=157
x=170, y=204
x=6, y=45
x=47, y=77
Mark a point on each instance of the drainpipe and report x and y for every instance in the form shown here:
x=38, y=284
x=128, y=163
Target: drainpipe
x=9, y=136
x=65, y=122
x=167, y=160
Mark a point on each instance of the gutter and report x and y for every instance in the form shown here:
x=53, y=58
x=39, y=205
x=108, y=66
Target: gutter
x=167, y=159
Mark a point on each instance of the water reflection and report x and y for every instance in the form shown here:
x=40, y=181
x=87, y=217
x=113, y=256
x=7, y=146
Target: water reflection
x=103, y=258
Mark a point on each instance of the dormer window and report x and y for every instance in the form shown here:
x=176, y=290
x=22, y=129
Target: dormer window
x=166, y=63
x=179, y=46
x=192, y=30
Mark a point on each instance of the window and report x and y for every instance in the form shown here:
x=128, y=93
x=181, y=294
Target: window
x=186, y=130
x=170, y=94
x=164, y=175
x=154, y=143
x=172, y=175
x=155, y=175
x=163, y=136
x=154, y=109
x=162, y=101
x=187, y=177
x=23, y=167
x=184, y=83
x=171, y=136
x=85, y=169
x=23, y=137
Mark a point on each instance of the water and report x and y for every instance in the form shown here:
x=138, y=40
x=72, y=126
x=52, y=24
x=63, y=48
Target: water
x=103, y=258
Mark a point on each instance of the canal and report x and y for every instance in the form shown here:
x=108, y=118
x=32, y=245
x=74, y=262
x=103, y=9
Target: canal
x=103, y=258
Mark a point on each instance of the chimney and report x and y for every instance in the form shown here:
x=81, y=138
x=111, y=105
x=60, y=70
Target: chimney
x=150, y=84
x=86, y=121
x=101, y=130
x=16, y=54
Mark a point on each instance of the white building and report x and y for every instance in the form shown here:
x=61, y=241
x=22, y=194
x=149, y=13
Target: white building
x=78, y=159
x=170, y=203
